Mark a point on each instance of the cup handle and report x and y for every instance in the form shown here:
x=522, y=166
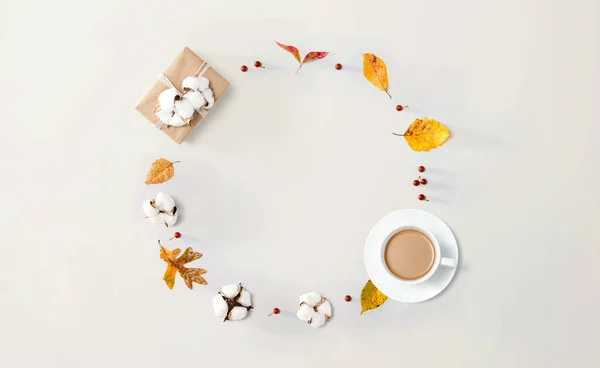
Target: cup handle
x=448, y=262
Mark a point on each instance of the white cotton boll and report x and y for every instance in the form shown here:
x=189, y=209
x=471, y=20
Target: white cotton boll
x=310, y=298
x=245, y=298
x=305, y=312
x=203, y=84
x=166, y=99
x=195, y=99
x=207, y=93
x=184, y=109
x=170, y=220
x=158, y=219
x=210, y=99
x=317, y=320
x=238, y=313
x=191, y=83
x=324, y=309
x=164, y=115
x=177, y=121
x=149, y=210
x=230, y=291
x=164, y=202
x=220, y=306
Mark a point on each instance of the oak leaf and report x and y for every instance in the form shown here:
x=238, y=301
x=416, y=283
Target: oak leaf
x=177, y=264
x=375, y=71
x=371, y=297
x=425, y=134
x=160, y=171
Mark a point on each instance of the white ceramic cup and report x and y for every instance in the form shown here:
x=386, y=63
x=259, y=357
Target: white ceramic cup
x=439, y=260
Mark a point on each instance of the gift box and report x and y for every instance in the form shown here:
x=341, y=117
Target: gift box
x=186, y=64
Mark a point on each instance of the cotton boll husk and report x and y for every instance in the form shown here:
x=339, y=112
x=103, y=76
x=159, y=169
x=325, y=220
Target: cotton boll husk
x=325, y=309
x=230, y=291
x=177, y=121
x=305, y=312
x=166, y=99
x=311, y=298
x=164, y=202
x=170, y=220
x=190, y=83
x=220, y=306
x=317, y=320
x=164, y=115
x=237, y=313
x=245, y=298
x=203, y=84
x=149, y=210
x=195, y=99
x=184, y=109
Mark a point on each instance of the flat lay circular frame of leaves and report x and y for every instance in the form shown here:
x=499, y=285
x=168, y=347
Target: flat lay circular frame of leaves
x=421, y=135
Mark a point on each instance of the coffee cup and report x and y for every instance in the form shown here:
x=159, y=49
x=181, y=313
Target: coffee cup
x=412, y=255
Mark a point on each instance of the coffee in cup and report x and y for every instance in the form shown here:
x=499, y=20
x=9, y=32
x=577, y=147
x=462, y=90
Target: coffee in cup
x=410, y=254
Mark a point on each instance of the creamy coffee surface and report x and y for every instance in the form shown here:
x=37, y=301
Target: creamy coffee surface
x=409, y=254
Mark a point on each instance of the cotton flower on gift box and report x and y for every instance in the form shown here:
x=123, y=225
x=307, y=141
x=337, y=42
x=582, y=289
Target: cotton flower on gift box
x=176, y=111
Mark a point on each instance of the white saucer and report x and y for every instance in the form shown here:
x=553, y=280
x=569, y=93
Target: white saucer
x=389, y=284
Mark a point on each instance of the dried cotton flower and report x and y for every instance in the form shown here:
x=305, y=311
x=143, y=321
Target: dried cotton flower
x=161, y=210
x=314, y=309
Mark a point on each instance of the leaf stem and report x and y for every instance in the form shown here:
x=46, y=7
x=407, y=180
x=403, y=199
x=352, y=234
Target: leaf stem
x=297, y=70
x=399, y=135
x=388, y=93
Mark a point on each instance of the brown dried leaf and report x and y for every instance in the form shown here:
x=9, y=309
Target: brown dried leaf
x=174, y=264
x=160, y=171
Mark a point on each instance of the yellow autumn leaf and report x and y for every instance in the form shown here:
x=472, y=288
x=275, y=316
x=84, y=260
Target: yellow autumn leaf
x=177, y=264
x=160, y=171
x=425, y=134
x=375, y=71
x=371, y=297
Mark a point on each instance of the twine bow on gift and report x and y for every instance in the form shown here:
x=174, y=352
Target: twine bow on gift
x=177, y=109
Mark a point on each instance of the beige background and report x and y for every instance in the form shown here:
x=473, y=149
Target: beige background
x=281, y=185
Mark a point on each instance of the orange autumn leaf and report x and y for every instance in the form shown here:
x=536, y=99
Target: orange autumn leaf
x=177, y=264
x=375, y=71
x=291, y=49
x=160, y=171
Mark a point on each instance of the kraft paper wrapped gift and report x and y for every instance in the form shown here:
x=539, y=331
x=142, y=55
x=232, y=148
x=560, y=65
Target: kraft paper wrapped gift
x=186, y=64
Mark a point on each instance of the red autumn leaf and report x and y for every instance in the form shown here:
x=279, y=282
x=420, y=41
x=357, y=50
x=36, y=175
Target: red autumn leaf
x=291, y=49
x=314, y=55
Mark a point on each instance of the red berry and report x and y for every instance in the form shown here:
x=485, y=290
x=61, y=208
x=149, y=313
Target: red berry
x=421, y=168
x=399, y=108
x=244, y=68
x=416, y=183
x=423, y=181
x=347, y=298
x=176, y=235
x=275, y=311
x=421, y=197
x=257, y=64
x=338, y=66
